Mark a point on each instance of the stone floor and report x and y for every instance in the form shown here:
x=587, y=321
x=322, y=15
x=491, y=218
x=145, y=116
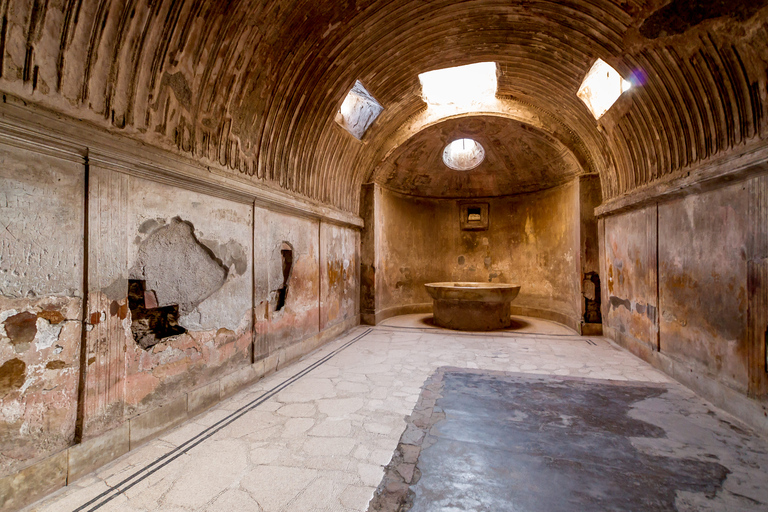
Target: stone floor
x=303, y=440
x=486, y=440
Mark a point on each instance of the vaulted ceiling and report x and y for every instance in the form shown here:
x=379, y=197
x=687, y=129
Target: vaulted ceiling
x=518, y=159
x=253, y=85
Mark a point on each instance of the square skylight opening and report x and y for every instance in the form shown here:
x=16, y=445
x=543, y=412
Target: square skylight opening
x=460, y=85
x=358, y=111
x=601, y=88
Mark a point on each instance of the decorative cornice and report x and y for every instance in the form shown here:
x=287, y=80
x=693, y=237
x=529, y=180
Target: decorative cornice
x=743, y=163
x=76, y=141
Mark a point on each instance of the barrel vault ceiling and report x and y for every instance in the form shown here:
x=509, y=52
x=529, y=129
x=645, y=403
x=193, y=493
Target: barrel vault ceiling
x=252, y=86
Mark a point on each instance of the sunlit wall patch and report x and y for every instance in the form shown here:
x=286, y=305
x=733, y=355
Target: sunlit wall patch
x=601, y=88
x=463, y=154
x=459, y=85
x=358, y=111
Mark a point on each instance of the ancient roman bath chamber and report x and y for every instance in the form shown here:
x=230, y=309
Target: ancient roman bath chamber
x=472, y=306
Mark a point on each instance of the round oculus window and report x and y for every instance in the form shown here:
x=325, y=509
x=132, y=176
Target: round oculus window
x=463, y=154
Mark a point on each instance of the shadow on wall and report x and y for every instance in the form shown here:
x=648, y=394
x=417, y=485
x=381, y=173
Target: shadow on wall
x=286, y=254
x=151, y=323
x=591, y=287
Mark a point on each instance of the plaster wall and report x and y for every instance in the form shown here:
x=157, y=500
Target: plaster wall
x=339, y=269
x=532, y=240
x=300, y=316
x=191, y=251
x=629, y=275
x=80, y=359
x=41, y=300
x=686, y=283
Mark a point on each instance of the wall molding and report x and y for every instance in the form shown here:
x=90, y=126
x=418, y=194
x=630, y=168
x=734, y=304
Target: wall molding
x=35, y=129
x=745, y=162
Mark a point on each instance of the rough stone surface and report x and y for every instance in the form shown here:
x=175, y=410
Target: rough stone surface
x=177, y=267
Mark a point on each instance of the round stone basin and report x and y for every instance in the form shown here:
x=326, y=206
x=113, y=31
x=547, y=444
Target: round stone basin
x=472, y=306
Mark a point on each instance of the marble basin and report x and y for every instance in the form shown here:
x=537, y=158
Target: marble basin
x=472, y=306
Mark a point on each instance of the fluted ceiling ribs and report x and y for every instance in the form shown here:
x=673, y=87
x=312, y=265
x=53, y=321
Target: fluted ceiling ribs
x=253, y=85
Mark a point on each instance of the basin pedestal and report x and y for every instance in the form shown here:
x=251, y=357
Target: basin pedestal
x=472, y=306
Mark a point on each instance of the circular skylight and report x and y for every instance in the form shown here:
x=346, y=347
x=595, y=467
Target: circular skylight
x=463, y=154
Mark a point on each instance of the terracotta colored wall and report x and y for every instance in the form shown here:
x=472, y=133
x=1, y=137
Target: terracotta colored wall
x=299, y=317
x=125, y=214
x=629, y=276
x=706, y=252
x=339, y=268
x=216, y=261
x=533, y=240
x=41, y=297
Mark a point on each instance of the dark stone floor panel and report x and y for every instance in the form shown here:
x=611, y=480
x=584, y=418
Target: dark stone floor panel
x=494, y=441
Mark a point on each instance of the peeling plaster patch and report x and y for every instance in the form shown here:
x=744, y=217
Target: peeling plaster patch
x=231, y=253
x=3, y=317
x=192, y=321
x=177, y=267
x=150, y=225
x=55, y=365
x=616, y=303
x=21, y=329
x=53, y=316
x=47, y=333
x=11, y=411
x=12, y=375
x=117, y=290
x=170, y=355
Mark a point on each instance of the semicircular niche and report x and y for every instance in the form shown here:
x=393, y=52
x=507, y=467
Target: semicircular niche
x=497, y=156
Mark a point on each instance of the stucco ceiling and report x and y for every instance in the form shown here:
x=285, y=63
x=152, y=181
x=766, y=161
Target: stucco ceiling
x=251, y=87
x=518, y=159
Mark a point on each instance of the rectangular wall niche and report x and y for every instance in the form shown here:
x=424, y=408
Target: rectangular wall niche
x=359, y=110
x=474, y=216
